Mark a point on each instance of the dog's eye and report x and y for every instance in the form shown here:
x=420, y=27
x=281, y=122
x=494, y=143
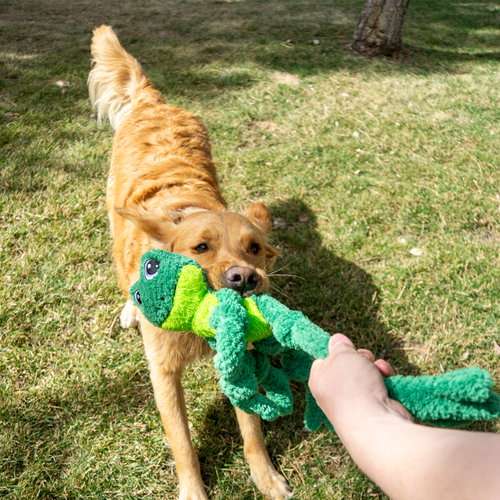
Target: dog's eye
x=201, y=248
x=151, y=268
x=137, y=297
x=254, y=248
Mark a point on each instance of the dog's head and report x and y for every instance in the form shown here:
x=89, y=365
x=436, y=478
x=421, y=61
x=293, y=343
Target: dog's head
x=233, y=249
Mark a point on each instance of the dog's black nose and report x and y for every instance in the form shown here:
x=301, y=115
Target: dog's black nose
x=241, y=279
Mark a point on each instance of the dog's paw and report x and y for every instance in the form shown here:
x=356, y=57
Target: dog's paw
x=271, y=483
x=129, y=316
x=193, y=493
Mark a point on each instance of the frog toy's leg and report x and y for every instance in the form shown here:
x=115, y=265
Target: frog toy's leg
x=237, y=367
x=297, y=364
x=275, y=382
x=302, y=341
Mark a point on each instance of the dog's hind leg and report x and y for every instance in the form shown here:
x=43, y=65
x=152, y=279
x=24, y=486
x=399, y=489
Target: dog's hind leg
x=265, y=476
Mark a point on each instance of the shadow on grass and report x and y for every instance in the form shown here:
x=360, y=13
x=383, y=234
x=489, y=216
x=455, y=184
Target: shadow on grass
x=334, y=293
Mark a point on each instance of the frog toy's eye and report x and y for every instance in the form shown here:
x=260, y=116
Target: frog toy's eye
x=151, y=268
x=137, y=297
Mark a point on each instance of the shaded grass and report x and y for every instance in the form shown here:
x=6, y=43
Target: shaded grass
x=382, y=155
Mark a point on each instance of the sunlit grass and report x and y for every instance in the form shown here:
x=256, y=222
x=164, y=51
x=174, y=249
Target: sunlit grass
x=382, y=155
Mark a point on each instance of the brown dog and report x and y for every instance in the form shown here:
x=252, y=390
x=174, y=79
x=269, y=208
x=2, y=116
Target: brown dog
x=163, y=193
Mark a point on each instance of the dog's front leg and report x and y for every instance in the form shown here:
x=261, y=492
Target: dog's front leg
x=169, y=397
x=265, y=476
x=166, y=353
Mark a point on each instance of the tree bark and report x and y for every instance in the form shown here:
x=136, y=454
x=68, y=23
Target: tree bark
x=380, y=26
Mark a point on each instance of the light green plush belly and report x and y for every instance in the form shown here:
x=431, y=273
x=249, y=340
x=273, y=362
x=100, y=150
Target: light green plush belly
x=193, y=304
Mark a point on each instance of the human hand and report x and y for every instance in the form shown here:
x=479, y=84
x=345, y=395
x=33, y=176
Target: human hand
x=348, y=385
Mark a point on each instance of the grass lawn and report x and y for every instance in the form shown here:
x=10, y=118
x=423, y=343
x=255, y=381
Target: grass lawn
x=364, y=160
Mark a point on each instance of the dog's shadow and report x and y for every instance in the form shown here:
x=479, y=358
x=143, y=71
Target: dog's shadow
x=334, y=293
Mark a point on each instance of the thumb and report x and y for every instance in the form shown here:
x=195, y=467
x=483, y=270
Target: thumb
x=339, y=341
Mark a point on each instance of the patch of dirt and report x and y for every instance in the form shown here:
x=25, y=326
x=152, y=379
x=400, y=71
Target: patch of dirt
x=267, y=127
x=417, y=348
x=441, y=116
x=484, y=228
x=286, y=78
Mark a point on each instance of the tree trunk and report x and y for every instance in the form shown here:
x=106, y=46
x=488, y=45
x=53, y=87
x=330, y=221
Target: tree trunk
x=379, y=27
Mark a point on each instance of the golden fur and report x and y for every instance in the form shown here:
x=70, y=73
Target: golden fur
x=163, y=193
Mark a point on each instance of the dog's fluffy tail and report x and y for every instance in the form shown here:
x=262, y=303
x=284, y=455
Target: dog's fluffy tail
x=117, y=81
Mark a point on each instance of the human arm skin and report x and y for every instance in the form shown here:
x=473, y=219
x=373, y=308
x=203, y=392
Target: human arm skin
x=408, y=461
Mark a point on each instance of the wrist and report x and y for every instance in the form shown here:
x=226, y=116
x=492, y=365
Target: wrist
x=358, y=420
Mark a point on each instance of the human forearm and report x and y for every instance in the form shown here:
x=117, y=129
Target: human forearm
x=408, y=461
x=414, y=462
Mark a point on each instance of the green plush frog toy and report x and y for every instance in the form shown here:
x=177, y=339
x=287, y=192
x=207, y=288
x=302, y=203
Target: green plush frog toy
x=173, y=294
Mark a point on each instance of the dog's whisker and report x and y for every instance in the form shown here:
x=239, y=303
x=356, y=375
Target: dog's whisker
x=272, y=275
x=286, y=265
x=279, y=290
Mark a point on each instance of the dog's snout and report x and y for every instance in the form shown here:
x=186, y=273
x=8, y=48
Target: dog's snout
x=241, y=279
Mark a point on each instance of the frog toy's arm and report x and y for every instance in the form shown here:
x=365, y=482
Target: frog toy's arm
x=452, y=399
x=173, y=294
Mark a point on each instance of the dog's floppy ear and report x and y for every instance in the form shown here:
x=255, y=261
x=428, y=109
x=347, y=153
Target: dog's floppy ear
x=158, y=224
x=257, y=213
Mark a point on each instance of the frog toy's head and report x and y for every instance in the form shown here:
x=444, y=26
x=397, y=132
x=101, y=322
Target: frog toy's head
x=154, y=291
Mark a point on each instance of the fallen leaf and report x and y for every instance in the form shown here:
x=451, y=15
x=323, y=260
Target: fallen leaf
x=465, y=355
x=496, y=347
x=402, y=241
x=304, y=218
x=279, y=223
x=416, y=252
x=356, y=172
